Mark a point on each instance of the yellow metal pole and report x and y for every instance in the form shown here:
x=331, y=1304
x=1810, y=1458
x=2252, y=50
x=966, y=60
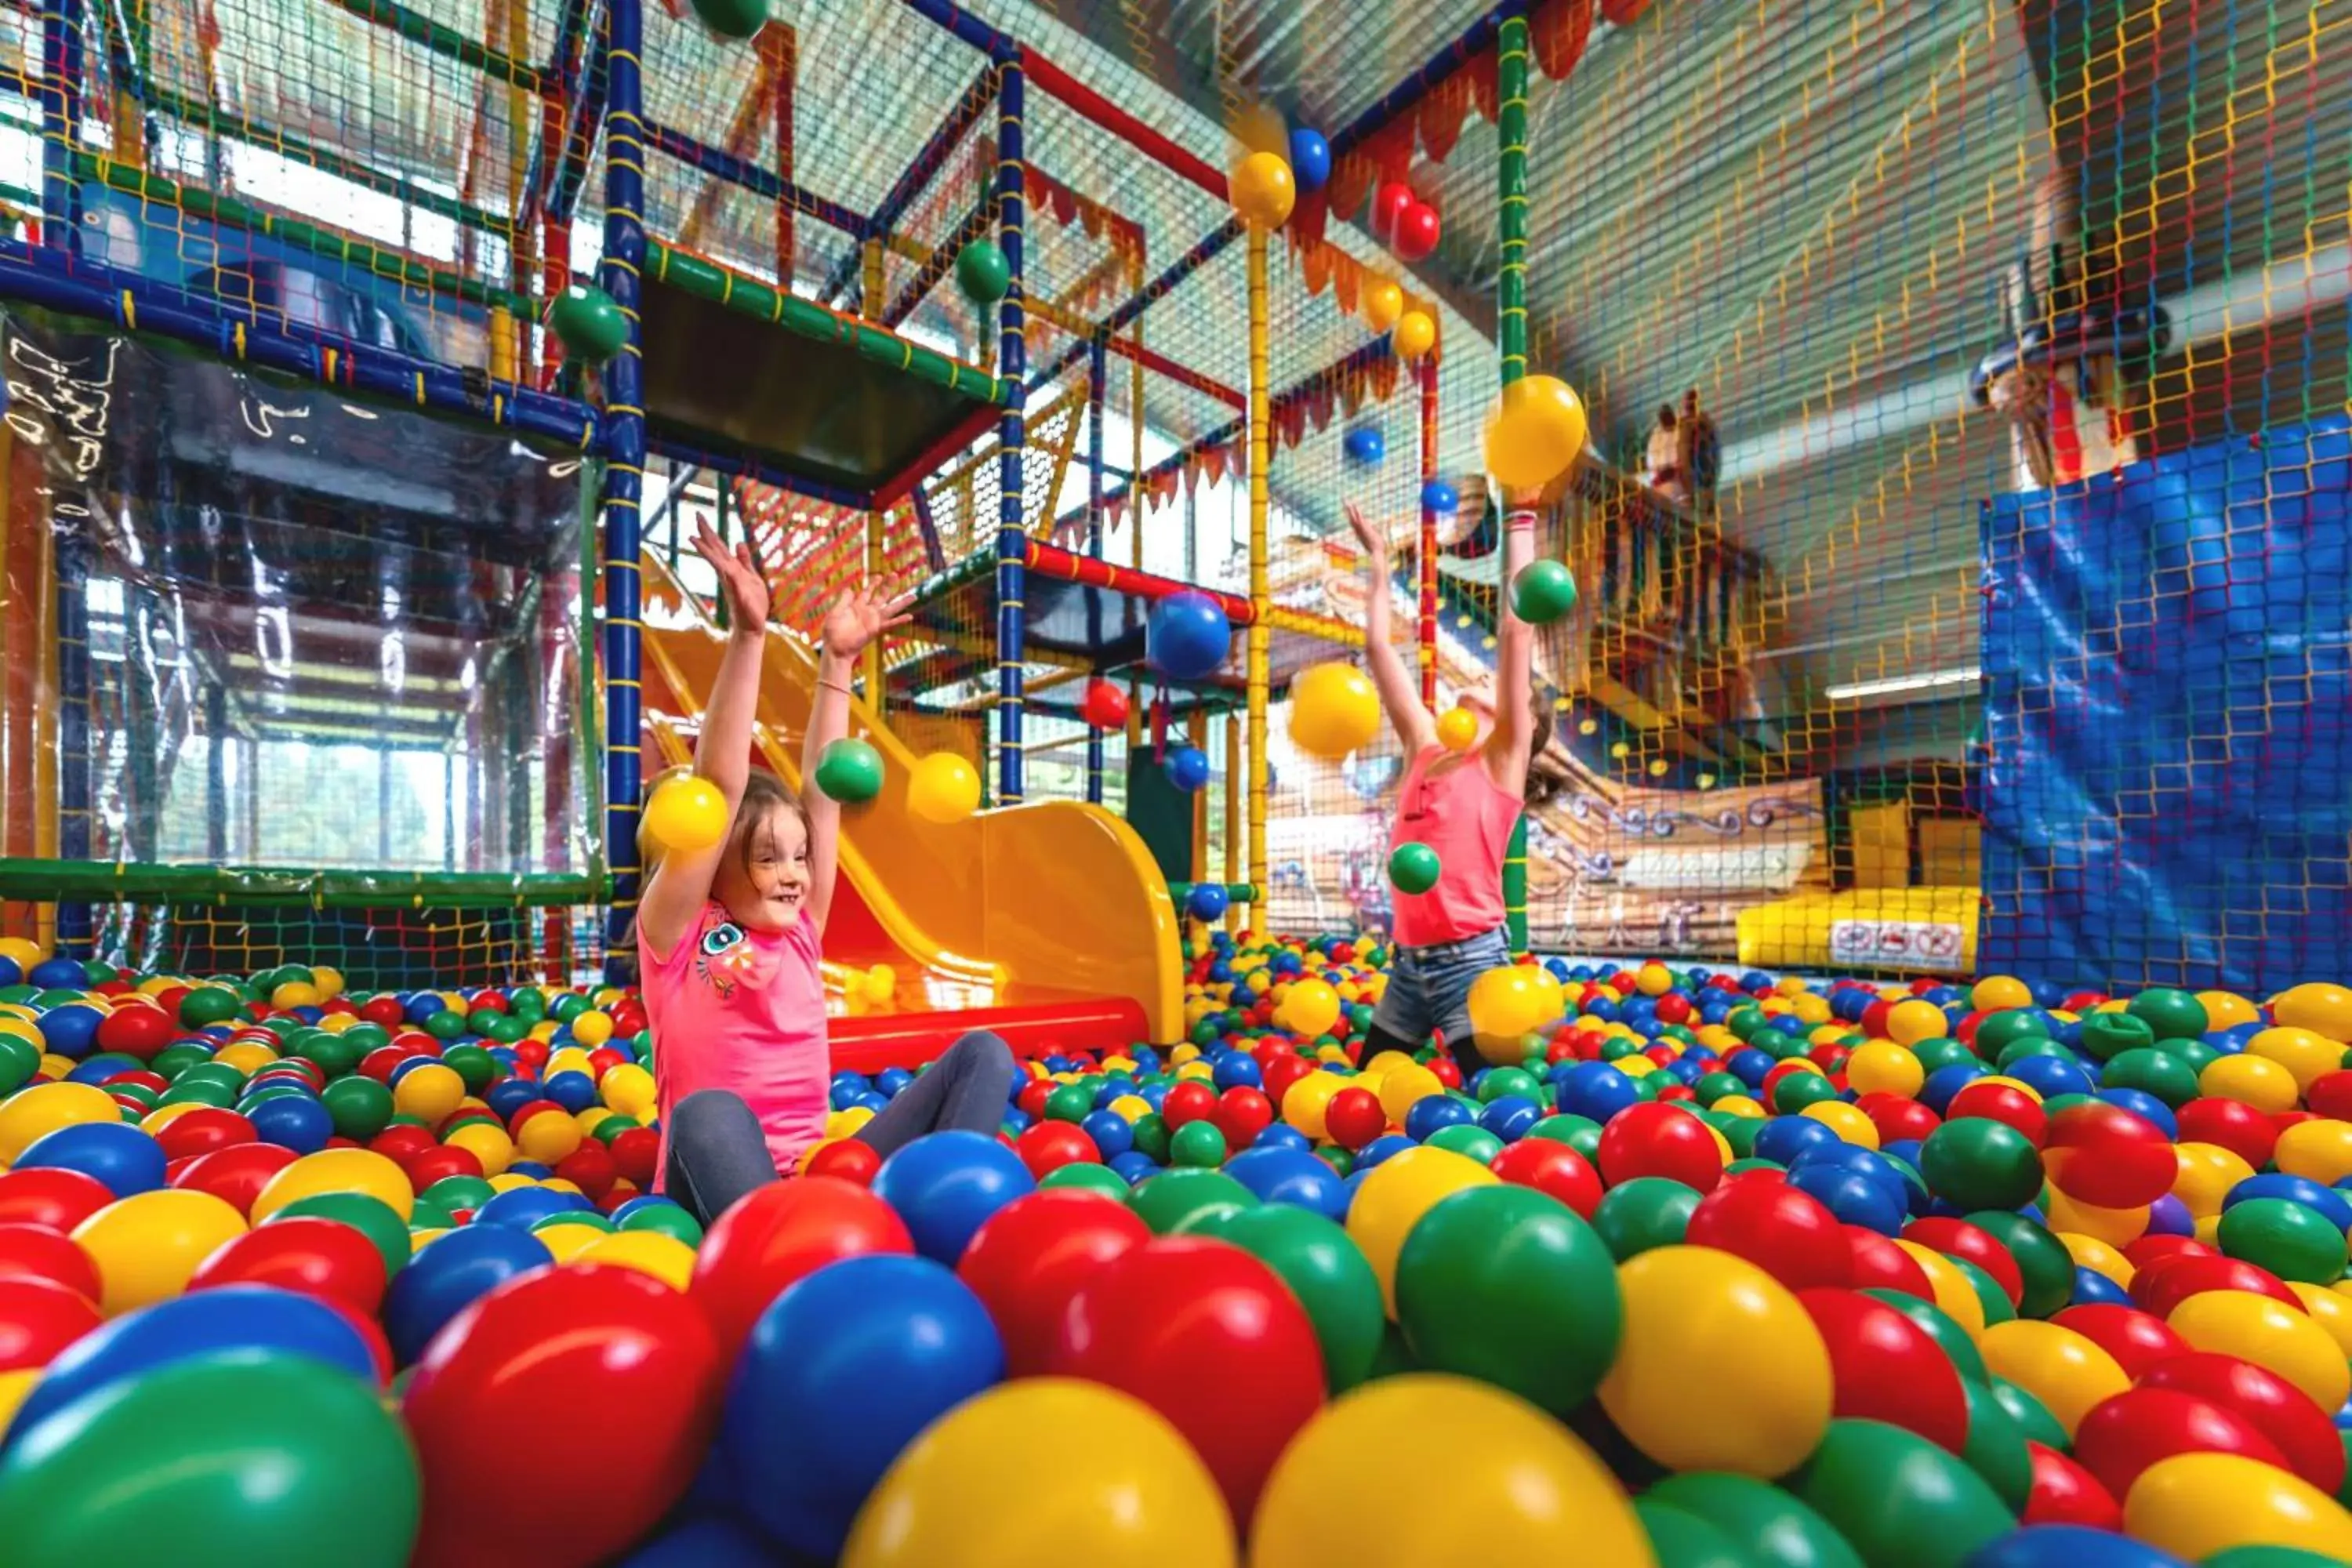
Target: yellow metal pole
x=1232, y=814
x=870, y=306
x=1261, y=634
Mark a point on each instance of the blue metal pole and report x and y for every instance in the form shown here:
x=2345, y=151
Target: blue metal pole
x=624, y=466
x=74, y=732
x=61, y=92
x=1097, y=370
x=977, y=101
x=1011, y=354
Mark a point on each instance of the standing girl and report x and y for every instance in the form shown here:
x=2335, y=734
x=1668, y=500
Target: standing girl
x=1461, y=805
x=728, y=939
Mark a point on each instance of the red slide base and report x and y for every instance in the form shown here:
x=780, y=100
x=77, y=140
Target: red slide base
x=876, y=1041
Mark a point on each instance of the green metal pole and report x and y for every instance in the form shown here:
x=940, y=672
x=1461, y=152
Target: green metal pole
x=1511, y=341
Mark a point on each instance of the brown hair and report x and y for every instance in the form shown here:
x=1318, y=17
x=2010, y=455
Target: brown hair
x=764, y=794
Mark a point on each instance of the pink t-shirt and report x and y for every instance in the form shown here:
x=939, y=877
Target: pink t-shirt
x=742, y=1011
x=1467, y=818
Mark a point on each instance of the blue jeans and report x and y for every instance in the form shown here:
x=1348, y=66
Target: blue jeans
x=718, y=1151
x=1429, y=989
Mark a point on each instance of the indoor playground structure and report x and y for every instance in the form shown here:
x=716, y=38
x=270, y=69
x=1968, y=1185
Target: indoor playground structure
x=1913, y=1128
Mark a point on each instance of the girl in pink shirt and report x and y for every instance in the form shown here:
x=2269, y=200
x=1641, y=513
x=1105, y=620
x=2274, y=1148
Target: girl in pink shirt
x=1461, y=805
x=727, y=940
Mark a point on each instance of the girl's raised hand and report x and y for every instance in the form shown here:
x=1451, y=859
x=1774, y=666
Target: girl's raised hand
x=739, y=579
x=1375, y=543
x=860, y=616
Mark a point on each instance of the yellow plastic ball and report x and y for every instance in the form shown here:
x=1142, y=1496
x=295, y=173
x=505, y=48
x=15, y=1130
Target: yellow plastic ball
x=328, y=981
x=23, y=953
x=32, y=1113
x=966, y=1489
x=1506, y=1004
x=2207, y=1173
x=943, y=788
x=1850, y=1122
x=1998, y=992
x=2089, y=1252
x=1134, y=1107
x=2227, y=1009
x=1811, y=1011
x=1955, y=1296
x=247, y=1057
x=337, y=1171
x=487, y=1142
x=1262, y=190
x=2323, y=1009
x=1653, y=980
x=684, y=815
x=2305, y=1053
x=1908, y=1022
x=1764, y=1399
x=1521, y=1488
x=431, y=1092
x=1400, y=1190
x=567, y=1242
x=546, y=1138
x=1304, y=1102
x=2250, y=1080
x=1405, y=1084
x=1535, y=434
x=2197, y=1506
x=2331, y=1311
x=2319, y=1151
x=2116, y=1227
x=592, y=1028
x=1882, y=1067
x=294, y=993
x=1308, y=1008
x=571, y=1058
x=665, y=1257
x=2270, y=1334
x=1416, y=334
x=2068, y=1372
x=147, y=1246
x=878, y=985
x=846, y=1123
x=506, y=1182
x=1383, y=304
x=629, y=1089
x=1334, y=710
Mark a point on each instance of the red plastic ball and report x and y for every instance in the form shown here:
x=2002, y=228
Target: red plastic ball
x=2122, y=1436
x=1886, y=1367
x=148, y=1080
x=136, y=1029
x=2063, y=1492
x=305, y=1253
x=1388, y=205
x=2330, y=1095
x=1105, y=705
x=236, y=1175
x=1031, y=1100
x=1211, y=1338
x=404, y=1142
x=379, y=1063
x=1550, y=1167
x=445, y=1160
x=37, y=1252
x=1243, y=1113
x=51, y=1197
x=202, y=1131
x=629, y=1343
x=2102, y=1154
x=2150, y=1250
x=1027, y=1259
x=1897, y=1116
x=1880, y=1265
x=2172, y=1280
x=2234, y=1125
x=590, y=1167
x=1652, y=1140
x=1958, y=1238
x=1445, y=1069
x=1188, y=1101
x=1354, y=1118
x=2136, y=1340
x=635, y=1153
x=1050, y=1145
x=1787, y=1233
x=38, y=1318
x=2274, y=1407
x=383, y=1011
x=1418, y=230
x=849, y=1159
x=776, y=1236
x=2002, y=1102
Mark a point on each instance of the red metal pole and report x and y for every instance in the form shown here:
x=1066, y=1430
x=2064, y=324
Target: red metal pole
x=1428, y=633
x=1047, y=76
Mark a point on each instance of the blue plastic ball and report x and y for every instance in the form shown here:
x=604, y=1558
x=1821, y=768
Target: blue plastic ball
x=1236, y=1069
x=1310, y=160
x=1388, y=1145
x=1510, y=1116
x=1134, y=1167
x=95, y=1070
x=1853, y=1197
x=1110, y=1133
x=945, y=1184
x=1365, y=445
x=522, y=1208
x=842, y=1372
x=451, y=1275
x=127, y=1159
x=1293, y=1176
x=2069, y=1546
x=295, y=1121
x=1187, y=636
x=2093, y=1289
x=1206, y=902
x=1442, y=498
x=58, y=974
x=1433, y=1113
x=70, y=1030
x=1599, y=1091
x=711, y=1541
x=1187, y=768
x=575, y=1092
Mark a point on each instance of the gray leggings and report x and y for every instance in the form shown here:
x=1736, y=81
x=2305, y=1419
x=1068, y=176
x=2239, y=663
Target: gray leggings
x=717, y=1152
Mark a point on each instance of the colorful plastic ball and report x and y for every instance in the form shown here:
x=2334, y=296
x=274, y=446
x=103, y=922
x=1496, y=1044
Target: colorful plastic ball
x=1237, y=1372
x=1418, y=231
x=781, y=1233
x=2102, y=1154
x=1519, y=1487
x=2320, y=1007
x=2119, y=1439
x=1414, y=869
x=1027, y=1260
x=1263, y=190
x=1779, y=1228
x=1542, y=592
x=1661, y=1140
x=125, y=1158
x=965, y=1490
x=1769, y=1391
x=1364, y=446
x=2069, y=1373
x=38, y=1319
x=2281, y=1338
x=2275, y=1408
x=371, y=1217
x=1645, y=1214
x=1394, y=1197
x=982, y=273
x=31, y=1113
x=337, y=1171
x=244, y=1457
x=840, y=1375
x=850, y=771
x=1333, y=710
x=686, y=815
x=1509, y=1285
x=1979, y=1163
x=1535, y=431
x=1206, y=902
x=587, y=320
x=945, y=1184
x=1506, y=1004
x=1439, y=497
x=1182, y=1200
x=1187, y=636
x=2290, y=1239
x=2201, y=1505
x=660, y=1257
x=37, y=1252
x=1884, y=1366
x=577, y=1338
x=1898, y=1498
x=1383, y=303
x=456, y=1272
x=305, y=1254
x=1310, y=159
x=1413, y=336
x=2319, y=1151
x=147, y=1246
x=430, y=1091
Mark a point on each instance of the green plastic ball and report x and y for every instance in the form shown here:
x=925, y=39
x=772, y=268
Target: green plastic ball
x=1976, y=1163
x=1325, y=1270
x=360, y=1107
x=1543, y=592
x=1199, y=1144
x=588, y=322
x=1178, y=1199
x=849, y=772
x=2170, y=1078
x=1643, y=1214
x=982, y=273
x=2108, y=1035
x=2291, y=1240
x=2169, y=1014
x=371, y=1217
x=1414, y=869
x=1467, y=1139
x=1898, y=1497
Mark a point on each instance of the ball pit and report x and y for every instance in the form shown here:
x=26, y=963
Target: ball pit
x=1670, y=1265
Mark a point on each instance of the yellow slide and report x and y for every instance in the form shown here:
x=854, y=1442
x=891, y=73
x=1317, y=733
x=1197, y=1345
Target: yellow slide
x=1045, y=921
